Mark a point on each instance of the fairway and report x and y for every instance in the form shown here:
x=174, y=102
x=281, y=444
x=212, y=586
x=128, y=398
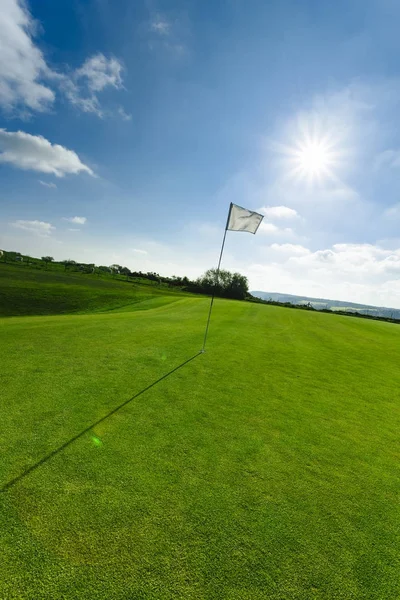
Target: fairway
x=29, y=292
x=267, y=467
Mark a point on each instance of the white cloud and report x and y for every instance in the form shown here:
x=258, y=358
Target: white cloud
x=74, y=229
x=40, y=228
x=34, y=152
x=76, y=220
x=22, y=65
x=99, y=72
x=138, y=251
x=169, y=35
x=268, y=228
x=271, y=229
x=27, y=82
x=124, y=115
x=290, y=249
x=364, y=273
x=47, y=184
x=89, y=104
x=95, y=75
x=351, y=263
x=160, y=25
x=278, y=212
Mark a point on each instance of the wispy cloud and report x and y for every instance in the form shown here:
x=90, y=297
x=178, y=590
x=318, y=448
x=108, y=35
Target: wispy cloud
x=271, y=229
x=40, y=228
x=139, y=251
x=278, y=212
x=290, y=249
x=83, y=86
x=160, y=25
x=35, y=153
x=99, y=72
x=124, y=115
x=168, y=35
x=48, y=184
x=76, y=220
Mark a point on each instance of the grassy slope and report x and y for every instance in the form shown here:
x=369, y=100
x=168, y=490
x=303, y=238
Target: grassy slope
x=31, y=292
x=265, y=468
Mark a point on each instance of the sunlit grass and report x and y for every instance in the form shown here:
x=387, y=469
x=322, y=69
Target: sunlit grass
x=27, y=291
x=265, y=468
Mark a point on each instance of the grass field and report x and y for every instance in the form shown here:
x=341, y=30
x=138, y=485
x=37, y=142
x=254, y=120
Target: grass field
x=267, y=467
x=24, y=291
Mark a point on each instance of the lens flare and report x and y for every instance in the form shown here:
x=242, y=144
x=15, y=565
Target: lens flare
x=96, y=441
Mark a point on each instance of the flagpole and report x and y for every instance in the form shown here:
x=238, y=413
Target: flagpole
x=216, y=280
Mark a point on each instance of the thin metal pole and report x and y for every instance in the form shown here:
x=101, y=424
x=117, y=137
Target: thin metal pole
x=216, y=281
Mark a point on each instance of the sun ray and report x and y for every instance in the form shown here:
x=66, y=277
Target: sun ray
x=315, y=154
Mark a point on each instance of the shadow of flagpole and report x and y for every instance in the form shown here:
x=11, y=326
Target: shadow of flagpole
x=49, y=456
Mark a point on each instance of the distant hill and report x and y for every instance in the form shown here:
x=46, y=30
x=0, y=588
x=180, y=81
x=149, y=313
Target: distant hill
x=321, y=303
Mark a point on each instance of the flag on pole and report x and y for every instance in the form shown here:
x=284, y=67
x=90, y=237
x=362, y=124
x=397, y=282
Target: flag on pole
x=241, y=219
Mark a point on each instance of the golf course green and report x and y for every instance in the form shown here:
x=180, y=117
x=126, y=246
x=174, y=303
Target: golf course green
x=266, y=468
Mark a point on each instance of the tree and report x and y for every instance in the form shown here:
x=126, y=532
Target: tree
x=238, y=288
x=115, y=269
x=224, y=283
x=90, y=267
x=104, y=269
x=125, y=271
x=152, y=276
x=68, y=263
x=210, y=282
x=47, y=260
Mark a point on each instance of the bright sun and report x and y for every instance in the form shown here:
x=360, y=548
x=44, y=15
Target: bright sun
x=316, y=152
x=313, y=158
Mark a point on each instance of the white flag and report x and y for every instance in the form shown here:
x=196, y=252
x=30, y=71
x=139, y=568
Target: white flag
x=241, y=219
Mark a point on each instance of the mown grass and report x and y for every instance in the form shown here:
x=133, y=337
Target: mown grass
x=25, y=291
x=267, y=467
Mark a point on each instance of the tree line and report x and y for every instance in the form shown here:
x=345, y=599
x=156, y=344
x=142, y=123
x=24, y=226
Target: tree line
x=224, y=285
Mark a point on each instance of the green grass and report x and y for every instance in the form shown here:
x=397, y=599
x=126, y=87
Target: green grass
x=25, y=291
x=267, y=467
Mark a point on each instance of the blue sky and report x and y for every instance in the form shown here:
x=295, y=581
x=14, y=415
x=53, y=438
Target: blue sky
x=127, y=128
